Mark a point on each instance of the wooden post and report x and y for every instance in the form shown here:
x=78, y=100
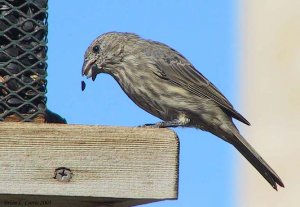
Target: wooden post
x=75, y=165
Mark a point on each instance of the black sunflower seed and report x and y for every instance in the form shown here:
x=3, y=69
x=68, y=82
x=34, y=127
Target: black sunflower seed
x=14, y=101
x=82, y=85
x=94, y=72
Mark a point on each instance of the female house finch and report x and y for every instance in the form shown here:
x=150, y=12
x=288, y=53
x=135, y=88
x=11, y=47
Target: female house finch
x=162, y=82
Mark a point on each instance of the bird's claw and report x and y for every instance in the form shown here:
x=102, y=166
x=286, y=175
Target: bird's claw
x=150, y=126
x=164, y=124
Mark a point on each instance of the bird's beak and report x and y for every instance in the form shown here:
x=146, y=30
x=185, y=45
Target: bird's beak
x=87, y=67
x=90, y=69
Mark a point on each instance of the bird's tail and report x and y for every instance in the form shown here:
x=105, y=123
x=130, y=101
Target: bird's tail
x=256, y=160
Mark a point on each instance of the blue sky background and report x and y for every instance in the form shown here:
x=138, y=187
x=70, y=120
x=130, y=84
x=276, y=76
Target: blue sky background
x=203, y=31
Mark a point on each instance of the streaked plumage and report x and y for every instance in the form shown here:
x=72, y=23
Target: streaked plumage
x=162, y=82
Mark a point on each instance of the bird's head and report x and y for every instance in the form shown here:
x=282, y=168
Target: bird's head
x=105, y=53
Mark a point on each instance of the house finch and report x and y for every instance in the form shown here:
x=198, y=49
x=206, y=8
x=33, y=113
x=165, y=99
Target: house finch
x=165, y=84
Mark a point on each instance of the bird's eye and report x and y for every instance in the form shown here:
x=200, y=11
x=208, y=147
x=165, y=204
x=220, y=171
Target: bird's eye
x=96, y=49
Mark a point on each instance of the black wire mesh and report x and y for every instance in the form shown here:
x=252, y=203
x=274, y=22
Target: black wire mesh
x=23, y=39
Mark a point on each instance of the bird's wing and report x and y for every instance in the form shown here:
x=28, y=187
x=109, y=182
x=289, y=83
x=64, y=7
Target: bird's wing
x=180, y=72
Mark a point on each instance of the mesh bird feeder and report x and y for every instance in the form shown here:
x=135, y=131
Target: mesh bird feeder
x=23, y=39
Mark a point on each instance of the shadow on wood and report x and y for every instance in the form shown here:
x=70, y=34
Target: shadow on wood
x=75, y=165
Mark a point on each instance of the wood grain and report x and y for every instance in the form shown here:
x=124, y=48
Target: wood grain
x=119, y=164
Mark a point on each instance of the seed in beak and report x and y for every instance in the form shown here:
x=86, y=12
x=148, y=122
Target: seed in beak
x=94, y=72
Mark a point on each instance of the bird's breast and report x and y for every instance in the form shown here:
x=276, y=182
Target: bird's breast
x=157, y=96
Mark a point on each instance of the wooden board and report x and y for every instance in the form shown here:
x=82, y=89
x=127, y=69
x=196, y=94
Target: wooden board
x=112, y=164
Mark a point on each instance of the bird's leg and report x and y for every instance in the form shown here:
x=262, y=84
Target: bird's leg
x=181, y=121
x=164, y=124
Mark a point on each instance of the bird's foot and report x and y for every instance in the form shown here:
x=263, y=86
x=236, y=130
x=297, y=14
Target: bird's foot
x=164, y=124
x=149, y=126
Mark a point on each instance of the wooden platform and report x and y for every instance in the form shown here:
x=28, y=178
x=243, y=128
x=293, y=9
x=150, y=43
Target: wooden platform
x=96, y=166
